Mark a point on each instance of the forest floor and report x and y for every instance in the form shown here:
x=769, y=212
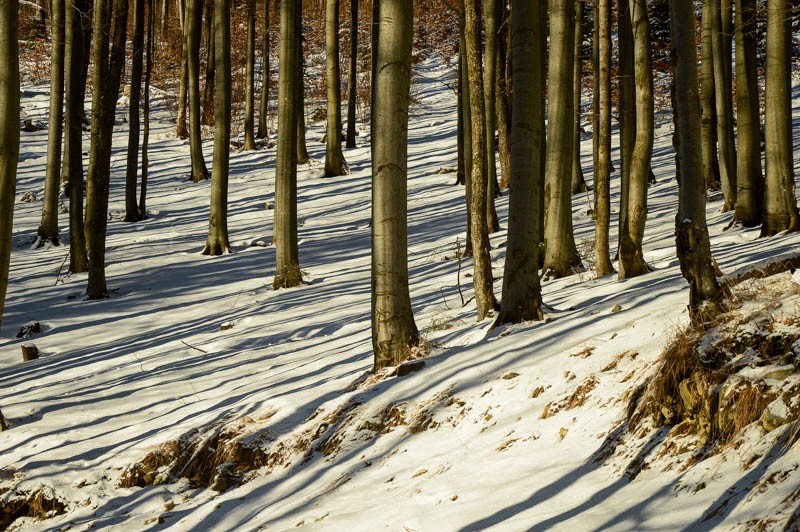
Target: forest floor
x=197, y=397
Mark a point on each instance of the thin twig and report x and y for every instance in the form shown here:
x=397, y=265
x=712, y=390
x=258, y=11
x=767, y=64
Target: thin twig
x=193, y=347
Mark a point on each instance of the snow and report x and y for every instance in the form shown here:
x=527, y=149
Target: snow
x=121, y=376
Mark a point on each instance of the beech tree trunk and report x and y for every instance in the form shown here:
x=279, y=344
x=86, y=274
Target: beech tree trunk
x=627, y=107
x=9, y=134
x=466, y=116
x=335, y=164
x=691, y=231
x=263, y=110
x=522, y=298
x=780, y=201
x=181, y=130
x=352, y=79
x=48, y=228
x=394, y=333
x=578, y=181
x=194, y=11
x=561, y=255
x=721, y=35
x=250, y=79
x=73, y=119
x=749, y=179
x=602, y=168
x=631, y=258
x=132, y=167
x=217, y=242
x=708, y=112
x=148, y=70
x=287, y=267
x=482, y=275
x=301, y=150
x=490, y=121
x=503, y=109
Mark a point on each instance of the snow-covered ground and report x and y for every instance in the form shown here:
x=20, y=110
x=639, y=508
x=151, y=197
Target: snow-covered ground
x=512, y=428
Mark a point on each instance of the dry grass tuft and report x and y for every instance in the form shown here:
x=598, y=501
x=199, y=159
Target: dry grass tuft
x=576, y=399
x=39, y=504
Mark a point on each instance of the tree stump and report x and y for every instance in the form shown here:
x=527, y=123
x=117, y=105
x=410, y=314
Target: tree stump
x=30, y=352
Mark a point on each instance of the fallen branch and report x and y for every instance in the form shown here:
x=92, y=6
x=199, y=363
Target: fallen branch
x=193, y=347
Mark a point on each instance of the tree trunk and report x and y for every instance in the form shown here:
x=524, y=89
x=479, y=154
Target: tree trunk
x=148, y=70
x=724, y=104
x=301, y=150
x=460, y=132
x=335, y=164
x=181, y=130
x=780, y=202
x=627, y=107
x=749, y=179
x=352, y=80
x=522, y=298
x=105, y=79
x=394, y=333
x=482, y=276
x=217, y=242
x=9, y=134
x=578, y=181
x=287, y=267
x=263, y=110
x=708, y=110
x=561, y=255
x=490, y=122
x=194, y=9
x=503, y=109
x=602, y=168
x=631, y=258
x=132, y=167
x=48, y=228
x=250, y=79
x=691, y=231
x=208, y=88
x=466, y=116
x=73, y=143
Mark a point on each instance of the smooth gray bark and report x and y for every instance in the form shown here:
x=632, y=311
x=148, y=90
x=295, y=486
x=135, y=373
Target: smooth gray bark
x=335, y=164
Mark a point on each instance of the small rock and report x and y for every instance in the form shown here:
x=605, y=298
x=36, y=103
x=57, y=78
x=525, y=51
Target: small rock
x=29, y=329
x=409, y=367
x=616, y=308
x=228, y=325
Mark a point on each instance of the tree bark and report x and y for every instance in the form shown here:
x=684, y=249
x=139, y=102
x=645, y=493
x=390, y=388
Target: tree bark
x=503, y=109
x=522, y=298
x=301, y=150
x=482, y=276
x=335, y=164
x=217, y=242
x=352, y=80
x=631, y=258
x=602, y=168
x=148, y=70
x=724, y=104
x=181, y=130
x=578, y=181
x=466, y=116
x=194, y=10
x=9, y=134
x=780, y=202
x=263, y=110
x=490, y=122
x=287, y=267
x=394, y=333
x=627, y=107
x=132, y=167
x=561, y=255
x=73, y=143
x=48, y=228
x=208, y=88
x=250, y=79
x=691, y=231
x=106, y=80
x=749, y=179
x=708, y=112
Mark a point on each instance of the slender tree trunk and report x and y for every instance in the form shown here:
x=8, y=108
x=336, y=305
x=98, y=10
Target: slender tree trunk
x=73, y=144
x=301, y=150
x=352, y=80
x=490, y=109
x=263, y=110
x=631, y=258
x=578, y=181
x=394, y=333
x=749, y=179
x=287, y=264
x=164, y=16
x=460, y=132
x=132, y=167
x=250, y=83
x=9, y=134
x=691, y=231
x=482, y=276
x=503, y=110
x=602, y=170
x=193, y=23
x=148, y=70
x=335, y=164
x=181, y=130
x=627, y=107
x=217, y=242
x=708, y=110
x=561, y=255
x=208, y=89
x=780, y=201
x=106, y=80
x=522, y=298
x=48, y=228
x=724, y=104
x=466, y=115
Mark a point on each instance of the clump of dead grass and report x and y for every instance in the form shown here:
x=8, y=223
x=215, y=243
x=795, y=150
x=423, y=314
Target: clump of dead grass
x=41, y=503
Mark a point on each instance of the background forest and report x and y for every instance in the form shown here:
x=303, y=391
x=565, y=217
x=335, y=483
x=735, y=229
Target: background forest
x=453, y=265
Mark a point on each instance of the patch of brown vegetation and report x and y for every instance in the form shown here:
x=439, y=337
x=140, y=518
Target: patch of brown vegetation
x=576, y=399
x=39, y=504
